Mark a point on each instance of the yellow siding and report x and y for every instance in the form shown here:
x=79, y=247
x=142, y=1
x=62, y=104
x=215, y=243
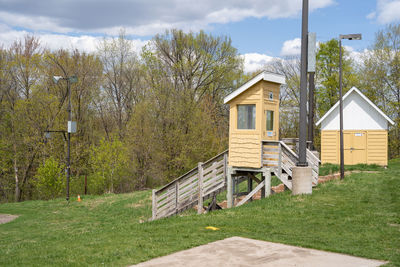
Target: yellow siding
x=245, y=151
x=330, y=147
x=245, y=145
x=375, y=153
x=377, y=142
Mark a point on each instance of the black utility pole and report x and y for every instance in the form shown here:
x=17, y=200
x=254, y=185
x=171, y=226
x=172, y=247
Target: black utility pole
x=348, y=37
x=303, y=88
x=71, y=125
x=68, y=137
x=341, y=111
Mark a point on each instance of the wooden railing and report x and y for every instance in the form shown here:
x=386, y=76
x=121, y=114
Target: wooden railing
x=192, y=188
x=281, y=158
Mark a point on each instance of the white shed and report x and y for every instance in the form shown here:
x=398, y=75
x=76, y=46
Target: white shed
x=365, y=131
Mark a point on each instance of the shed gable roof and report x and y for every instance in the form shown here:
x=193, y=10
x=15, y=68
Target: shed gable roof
x=266, y=76
x=355, y=90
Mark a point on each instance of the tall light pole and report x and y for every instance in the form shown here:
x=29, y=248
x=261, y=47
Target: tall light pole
x=71, y=124
x=303, y=88
x=356, y=36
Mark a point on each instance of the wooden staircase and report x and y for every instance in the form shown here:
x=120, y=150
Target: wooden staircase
x=281, y=159
x=209, y=179
x=192, y=188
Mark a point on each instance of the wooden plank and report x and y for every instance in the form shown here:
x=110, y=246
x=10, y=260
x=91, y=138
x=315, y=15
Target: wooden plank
x=222, y=185
x=189, y=180
x=154, y=205
x=229, y=190
x=214, y=166
x=213, y=180
x=273, y=162
x=165, y=196
x=212, y=174
x=169, y=206
x=176, y=196
x=267, y=182
x=192, y=191
x=280, y=159
x=216, y=184
x=165, y=201
x=270, y=149
x=271, y=156
x=189, y=188
x=200, y=201
x=252, y=193
x=252, y=176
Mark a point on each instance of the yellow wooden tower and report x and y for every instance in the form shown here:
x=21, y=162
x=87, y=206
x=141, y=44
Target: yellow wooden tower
x=254, y=117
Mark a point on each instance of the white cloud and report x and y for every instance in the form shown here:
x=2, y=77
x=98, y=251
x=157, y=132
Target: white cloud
x=141, y=17
x=356, y=56
x=255, y=61
x=56, y=41
x=291, y=47
x=387, y=11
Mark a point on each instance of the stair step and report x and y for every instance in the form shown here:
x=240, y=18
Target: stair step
x=285, y=180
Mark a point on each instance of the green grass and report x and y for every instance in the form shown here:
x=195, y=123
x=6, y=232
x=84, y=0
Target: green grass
x=359, y=216
x=329, y=168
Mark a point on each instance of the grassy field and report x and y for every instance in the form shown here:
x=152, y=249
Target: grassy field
x=358, y=216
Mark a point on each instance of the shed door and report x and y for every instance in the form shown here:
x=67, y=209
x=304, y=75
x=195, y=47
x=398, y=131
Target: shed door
x=355, y=147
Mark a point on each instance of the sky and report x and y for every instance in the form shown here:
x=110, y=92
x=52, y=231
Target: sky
x=261, y=30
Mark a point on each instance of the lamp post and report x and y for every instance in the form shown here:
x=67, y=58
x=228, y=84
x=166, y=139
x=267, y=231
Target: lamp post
x=356, y=36
x=303, y=88
x=71, y=124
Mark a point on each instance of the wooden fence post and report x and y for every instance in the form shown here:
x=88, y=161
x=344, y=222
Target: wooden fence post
x=229, y=189
x=154, y=203
x=200, y=174
x=280, y=160
x=267, y=175
x=176, y=196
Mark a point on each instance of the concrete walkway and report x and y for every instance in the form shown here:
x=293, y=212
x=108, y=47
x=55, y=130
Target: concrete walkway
x=238, y=251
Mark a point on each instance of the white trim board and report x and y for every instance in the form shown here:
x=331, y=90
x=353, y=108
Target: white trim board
x=354, y=89
x=266, y=76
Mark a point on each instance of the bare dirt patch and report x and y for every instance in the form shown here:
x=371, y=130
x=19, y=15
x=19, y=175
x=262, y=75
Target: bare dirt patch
x=5, y=218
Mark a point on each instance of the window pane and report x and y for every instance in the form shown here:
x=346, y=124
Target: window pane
x=270, y=120
x=246, y=116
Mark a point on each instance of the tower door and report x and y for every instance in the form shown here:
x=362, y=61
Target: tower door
x=270, y=122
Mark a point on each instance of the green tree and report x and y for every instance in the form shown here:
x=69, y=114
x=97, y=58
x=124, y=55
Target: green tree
x=49, y=180
x=109, y=163
x=327, y=75
x=381, y=79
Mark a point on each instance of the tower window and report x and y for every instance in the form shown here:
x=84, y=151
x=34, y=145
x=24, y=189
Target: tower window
x=246, y=117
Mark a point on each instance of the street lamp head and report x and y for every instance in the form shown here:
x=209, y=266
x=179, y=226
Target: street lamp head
x=71, y=79
x=57, y=78
x=356, y=36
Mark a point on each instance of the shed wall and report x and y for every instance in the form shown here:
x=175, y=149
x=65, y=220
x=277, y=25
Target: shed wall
x=375, y=153
x=357, y=114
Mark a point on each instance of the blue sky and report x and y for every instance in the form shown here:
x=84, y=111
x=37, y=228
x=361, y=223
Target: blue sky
x=260, y=29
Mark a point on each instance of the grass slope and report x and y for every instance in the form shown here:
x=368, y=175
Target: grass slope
x=358, y=216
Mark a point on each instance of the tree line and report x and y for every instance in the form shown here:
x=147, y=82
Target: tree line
x=143, y=119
